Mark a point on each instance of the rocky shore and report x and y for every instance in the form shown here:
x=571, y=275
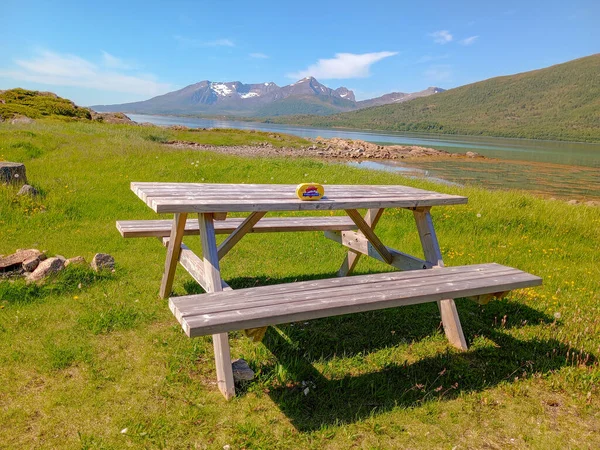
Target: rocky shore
x=335, y=148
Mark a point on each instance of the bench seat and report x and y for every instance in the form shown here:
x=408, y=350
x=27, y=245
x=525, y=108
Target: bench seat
x=271, y=305
x=162, y=228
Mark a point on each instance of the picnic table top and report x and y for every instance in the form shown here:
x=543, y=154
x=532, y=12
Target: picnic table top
x=209, y=198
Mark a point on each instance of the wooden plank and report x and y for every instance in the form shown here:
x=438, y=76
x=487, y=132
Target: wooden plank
x=318, y=298
x=347, y=285
x=212, y=276
x=358, y=243
x=239, y=233
x=433, y=254
x=176, y=236
x=205, y=319
x=162, y=228
x=195, y=267
x=370, y=235
x=371, y=218
x=198, y=205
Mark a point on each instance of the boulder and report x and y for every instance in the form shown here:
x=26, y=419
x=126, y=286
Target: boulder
x=29, y=190
x=241, y=370
x=46, y=268
x=21, y=120
x=12, y=262
x=29, y=265
x=12, y=173
x=77, y=260
x=102, y=261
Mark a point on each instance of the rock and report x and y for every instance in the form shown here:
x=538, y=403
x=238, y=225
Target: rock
x=472, y=155
x=12, y=262
x=573, y=202
x=593, y=203
x=61, y=257
x=12, y=173
x=29, y=190
x=102, y=261
x=21, y=120
x=46, y=268
x=111, y=118
x=77, y=260
x=241, y=370
x=29, y=265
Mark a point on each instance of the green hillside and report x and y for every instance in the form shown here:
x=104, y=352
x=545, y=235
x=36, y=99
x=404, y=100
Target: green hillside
x=319, y=105
x=559, y=102
x=36, y=104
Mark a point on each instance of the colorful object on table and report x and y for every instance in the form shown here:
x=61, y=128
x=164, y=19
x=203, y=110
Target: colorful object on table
x=310, y=191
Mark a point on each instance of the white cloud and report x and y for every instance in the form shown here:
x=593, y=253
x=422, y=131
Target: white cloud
x=344, y=65
x=113, y=62
x=469, y=41
x=439, y=73
x=70, y=70
x=441, y=37
x=258, y=55
x=189, y=42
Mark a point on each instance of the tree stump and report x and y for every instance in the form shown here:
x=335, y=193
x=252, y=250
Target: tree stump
x=12, y=173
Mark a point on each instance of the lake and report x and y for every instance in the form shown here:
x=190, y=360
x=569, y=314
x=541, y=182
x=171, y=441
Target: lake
x=551, y=168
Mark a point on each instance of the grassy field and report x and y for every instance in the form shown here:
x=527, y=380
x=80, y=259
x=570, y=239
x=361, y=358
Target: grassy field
x=98, y=362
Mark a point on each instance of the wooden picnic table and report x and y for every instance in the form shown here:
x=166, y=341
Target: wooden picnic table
x=212, y=202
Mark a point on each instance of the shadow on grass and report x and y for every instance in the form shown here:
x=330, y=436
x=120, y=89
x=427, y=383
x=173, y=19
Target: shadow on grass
x=497, y=358
x=438, y=378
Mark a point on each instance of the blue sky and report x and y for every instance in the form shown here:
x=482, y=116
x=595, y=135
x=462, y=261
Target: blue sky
x=112, y=52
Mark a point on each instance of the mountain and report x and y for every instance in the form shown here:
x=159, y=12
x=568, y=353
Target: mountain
x=305, y=96
x=397, y=97
x=559, y=102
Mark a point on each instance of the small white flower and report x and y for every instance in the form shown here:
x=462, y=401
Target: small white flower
x=306, y=391
x=124, y=430
x=305, y=174
x=478, y=215
x=557, y=315
x=226, y=447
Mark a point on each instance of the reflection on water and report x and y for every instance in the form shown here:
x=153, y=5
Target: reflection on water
x=570, y=153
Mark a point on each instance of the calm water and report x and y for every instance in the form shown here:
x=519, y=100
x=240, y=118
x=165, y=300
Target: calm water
x=562, y=169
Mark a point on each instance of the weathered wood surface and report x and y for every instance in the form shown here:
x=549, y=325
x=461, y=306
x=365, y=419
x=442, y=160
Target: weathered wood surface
x=212, y=277
x=198, y=197
x=368, y=232
x=271, y=305
x=12, y=173
x=433, y=254
x=176, y=236
x=351, y=260
x=358, y=243
x=162, y=228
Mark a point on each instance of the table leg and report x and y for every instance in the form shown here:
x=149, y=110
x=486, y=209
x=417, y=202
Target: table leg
x=213, y=280
x=433, y=255
x=372, y=217
x=173, y=251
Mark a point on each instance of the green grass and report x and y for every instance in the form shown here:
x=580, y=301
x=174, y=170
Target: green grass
x=35, y=104
x=78, y=365
x=560, y=102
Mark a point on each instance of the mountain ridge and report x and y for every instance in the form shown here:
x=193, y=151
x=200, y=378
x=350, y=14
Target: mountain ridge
x=305, y=96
